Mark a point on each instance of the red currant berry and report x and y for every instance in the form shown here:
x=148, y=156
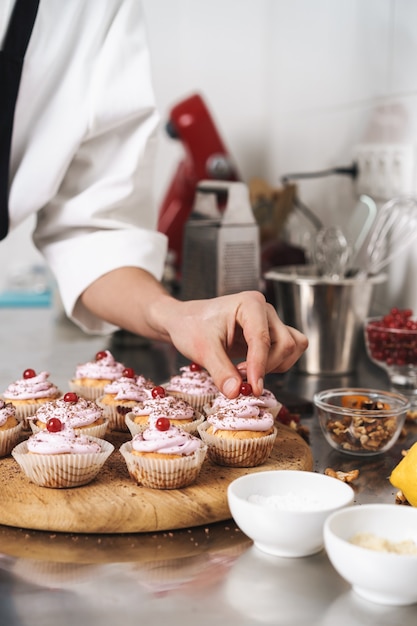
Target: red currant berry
x=162, y=423
x=70, y=397
x=29, y=373
x=54, y=425
x=101, y=355
x=246, y=389
x=158, y=392
x=195, y=367
x=128, y=372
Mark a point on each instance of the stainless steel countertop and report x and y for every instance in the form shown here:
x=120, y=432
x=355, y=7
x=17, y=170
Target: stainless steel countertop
x=199, y=575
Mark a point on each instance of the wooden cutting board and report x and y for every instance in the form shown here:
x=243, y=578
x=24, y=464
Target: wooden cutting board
x=114, y=503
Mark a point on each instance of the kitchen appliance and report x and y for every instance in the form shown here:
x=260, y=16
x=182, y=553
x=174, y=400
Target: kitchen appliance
x=221, y=249
x=206, y=158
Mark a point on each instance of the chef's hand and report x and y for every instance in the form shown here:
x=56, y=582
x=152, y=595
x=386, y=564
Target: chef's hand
x=208, y=332
x=241, y=325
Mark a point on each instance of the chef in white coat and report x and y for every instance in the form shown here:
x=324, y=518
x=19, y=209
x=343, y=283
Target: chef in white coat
x=81, y=159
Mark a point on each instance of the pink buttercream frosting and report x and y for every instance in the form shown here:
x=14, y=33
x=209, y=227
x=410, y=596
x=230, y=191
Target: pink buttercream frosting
x=75, y=414
x=266, y=400
x=136, y=389
x=192, y=382
x=174, y=408
x=6, y=410
x=241, y=413
x=171, y=441
x=32, y=388
x=66, y=441
x=105, y=368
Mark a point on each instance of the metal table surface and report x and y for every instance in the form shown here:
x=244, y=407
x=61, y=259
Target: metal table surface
x=199, y=575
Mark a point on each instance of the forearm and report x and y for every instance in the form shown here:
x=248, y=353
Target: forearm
x=132, y=299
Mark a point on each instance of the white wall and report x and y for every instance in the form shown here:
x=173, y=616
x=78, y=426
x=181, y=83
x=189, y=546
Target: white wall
x=293, y=85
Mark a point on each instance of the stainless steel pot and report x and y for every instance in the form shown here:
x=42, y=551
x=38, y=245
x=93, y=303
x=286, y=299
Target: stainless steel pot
x=330, y=312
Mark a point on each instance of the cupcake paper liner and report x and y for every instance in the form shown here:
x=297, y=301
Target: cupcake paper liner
x=159, y=473
x=189, y=427
x=116, y=420
x=249, y=452
x=93, y=430
x=9, y=438
x=61, y=470
x=86, y=391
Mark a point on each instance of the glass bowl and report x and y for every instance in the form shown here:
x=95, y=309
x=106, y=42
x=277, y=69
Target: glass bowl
x=359, y=421
x=391, y=343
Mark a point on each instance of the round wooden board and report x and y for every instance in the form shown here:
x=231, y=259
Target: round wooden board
x=113, y=503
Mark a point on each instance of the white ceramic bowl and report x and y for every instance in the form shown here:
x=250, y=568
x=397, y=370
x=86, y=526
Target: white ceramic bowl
x=382, y=577
x=283, y=511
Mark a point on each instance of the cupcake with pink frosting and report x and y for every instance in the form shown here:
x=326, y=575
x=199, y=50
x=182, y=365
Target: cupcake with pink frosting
x=84, y=416
x=239, y=432
x=193, y=384
x=90, y=378
x=266, y=401
x=29, y=392
x=160, y=404
x=58, y=457
x=10, y=427
x=122, y=395
x=164, y=456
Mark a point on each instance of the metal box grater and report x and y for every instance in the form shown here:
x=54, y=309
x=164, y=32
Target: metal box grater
x=221, y=250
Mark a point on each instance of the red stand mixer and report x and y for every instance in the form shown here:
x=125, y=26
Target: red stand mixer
x=206, y=158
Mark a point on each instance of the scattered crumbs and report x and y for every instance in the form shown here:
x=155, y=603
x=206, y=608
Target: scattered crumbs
x=99, y=540
x=196, y=544
x=189, y=530
x=154, y=536
x=52, y=536
x=158, y=547
x=227, y=527
x=75, y=539
x=207, y=531
x=170, y=534
x=27, y=536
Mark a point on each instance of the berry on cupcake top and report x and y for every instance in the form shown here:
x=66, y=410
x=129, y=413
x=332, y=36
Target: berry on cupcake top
x=60, y=438
x=104, y=367
x=71, y=410
x=163, y=437
x=31, y=386
x=192, y=379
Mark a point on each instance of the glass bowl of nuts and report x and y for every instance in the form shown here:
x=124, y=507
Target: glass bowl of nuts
x=391, y=343
x=360, y=421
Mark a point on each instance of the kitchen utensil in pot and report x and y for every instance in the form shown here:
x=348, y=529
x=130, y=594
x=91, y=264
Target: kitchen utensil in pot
x=331, y=252
x=393, y=230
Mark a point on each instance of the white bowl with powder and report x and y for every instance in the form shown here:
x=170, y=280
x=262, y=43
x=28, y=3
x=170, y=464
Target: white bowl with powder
x=374, y=548
x=284, y=511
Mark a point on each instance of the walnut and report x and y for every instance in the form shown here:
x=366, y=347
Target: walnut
x=400, y=498
x=361, y=431
x=346, y=477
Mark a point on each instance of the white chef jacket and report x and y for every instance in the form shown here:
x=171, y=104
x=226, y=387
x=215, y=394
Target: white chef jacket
x=83, y=145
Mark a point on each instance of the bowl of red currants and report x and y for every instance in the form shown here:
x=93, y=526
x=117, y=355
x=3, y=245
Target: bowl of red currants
x=391, y=343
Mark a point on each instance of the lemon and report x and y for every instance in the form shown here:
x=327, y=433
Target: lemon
x=404, y=475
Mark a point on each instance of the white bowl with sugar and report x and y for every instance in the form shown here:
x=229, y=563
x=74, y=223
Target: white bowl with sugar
x=283, y=511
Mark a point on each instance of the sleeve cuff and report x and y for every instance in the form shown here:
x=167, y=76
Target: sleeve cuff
x=80, y=261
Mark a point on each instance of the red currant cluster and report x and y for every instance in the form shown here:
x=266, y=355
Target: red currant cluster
x=392, y=339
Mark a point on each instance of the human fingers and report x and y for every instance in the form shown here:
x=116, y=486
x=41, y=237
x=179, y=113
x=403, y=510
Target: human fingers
x=276, y=349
